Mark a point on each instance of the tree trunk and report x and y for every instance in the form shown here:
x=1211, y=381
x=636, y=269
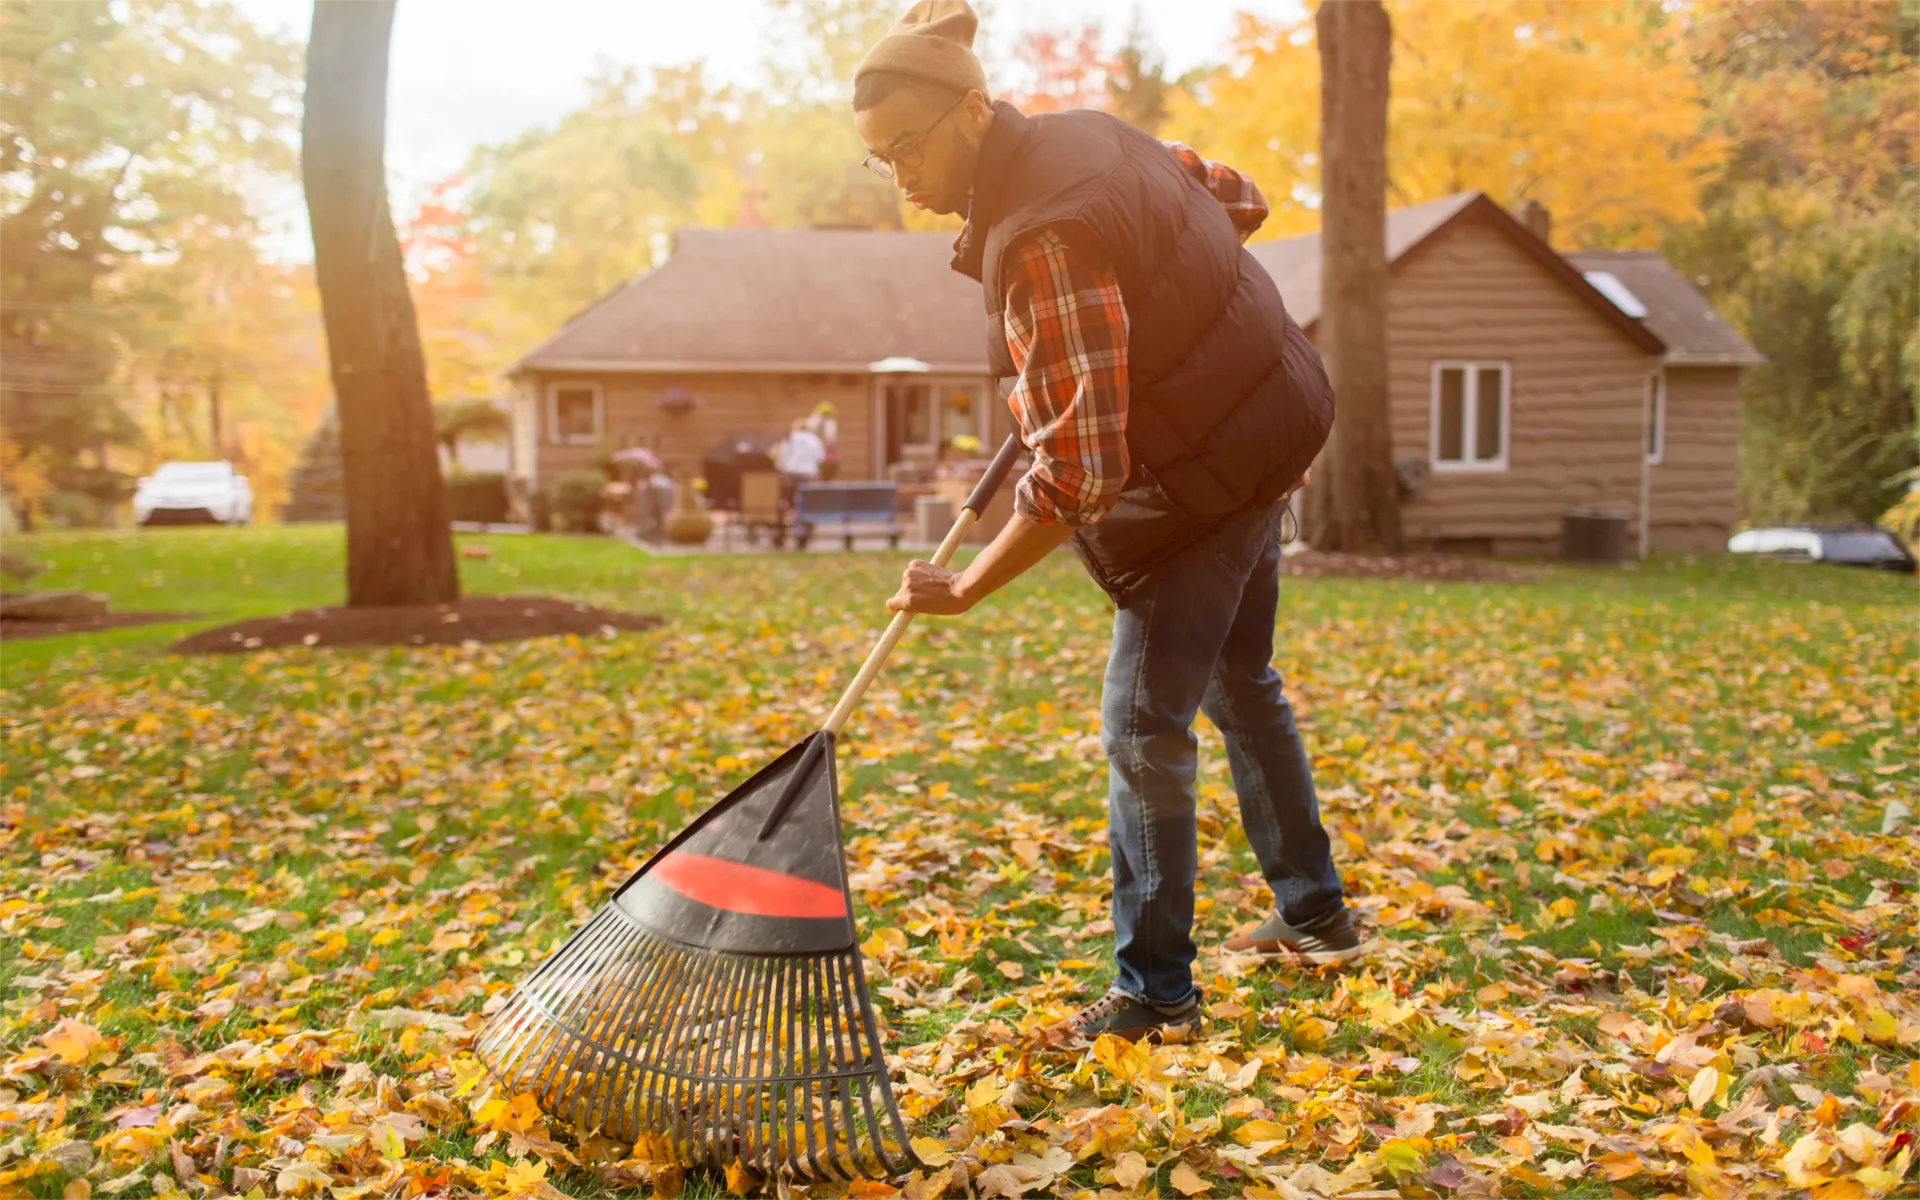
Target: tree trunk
x=399, y=544
x=213, y=414
x=1353, y=503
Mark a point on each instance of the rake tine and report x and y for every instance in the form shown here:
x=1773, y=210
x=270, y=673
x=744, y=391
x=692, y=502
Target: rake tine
x=822, y=1017
x=788, y=1061
x=547, y=1002
x=615, y=1030
x=685, y=1059
x=570, y=1074
x=745, y=1066
x=829, y=969
x=804, y=1110
x=636, y=1074
x=649, y=1085
x=908, y=1160
x=764, y=1133
x=713, y=1062
x=863, y=1053
x=524, y=1028
x=586, y=1015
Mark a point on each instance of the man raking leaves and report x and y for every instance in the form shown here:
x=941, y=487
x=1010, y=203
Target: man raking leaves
x=1170, y=405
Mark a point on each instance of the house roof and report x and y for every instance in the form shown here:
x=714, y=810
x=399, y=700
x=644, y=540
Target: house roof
x=1695, y=334
x=781, y=300
x=1294, y=262
x=834, y=300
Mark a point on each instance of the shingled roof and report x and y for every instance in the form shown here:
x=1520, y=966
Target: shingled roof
x=1294, y=262
x=781, y=300
x=834, y=300
x=1695, y=334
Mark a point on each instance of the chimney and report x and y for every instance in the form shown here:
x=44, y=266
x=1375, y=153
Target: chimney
x=1537, y=219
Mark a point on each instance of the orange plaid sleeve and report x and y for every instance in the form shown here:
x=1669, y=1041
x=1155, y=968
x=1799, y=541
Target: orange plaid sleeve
x=1067, y=332
x=1238, y=194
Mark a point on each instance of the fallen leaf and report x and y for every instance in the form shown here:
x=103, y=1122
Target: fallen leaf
x=1188, y=1180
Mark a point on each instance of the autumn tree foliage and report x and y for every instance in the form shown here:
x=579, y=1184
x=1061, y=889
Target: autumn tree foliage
x=1062, y=68
x=134, y=139
x=1521, y=99
x=1809, y=242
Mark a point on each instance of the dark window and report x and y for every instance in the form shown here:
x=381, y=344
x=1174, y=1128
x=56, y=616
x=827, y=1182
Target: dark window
x=1453, y=414
x=575, y=413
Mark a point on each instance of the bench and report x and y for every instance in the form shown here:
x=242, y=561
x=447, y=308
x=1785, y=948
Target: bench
x=849, y=508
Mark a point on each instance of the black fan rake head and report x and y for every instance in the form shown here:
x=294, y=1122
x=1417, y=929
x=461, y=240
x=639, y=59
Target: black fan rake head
x=715, y=1010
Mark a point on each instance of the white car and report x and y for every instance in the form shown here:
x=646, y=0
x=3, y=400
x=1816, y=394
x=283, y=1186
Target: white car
x=1847, y=545
x=193, y=492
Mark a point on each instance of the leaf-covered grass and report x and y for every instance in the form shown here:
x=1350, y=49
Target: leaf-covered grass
x=1616, y=829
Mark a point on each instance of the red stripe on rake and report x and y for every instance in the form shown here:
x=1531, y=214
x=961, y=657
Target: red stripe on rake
x=739, y=888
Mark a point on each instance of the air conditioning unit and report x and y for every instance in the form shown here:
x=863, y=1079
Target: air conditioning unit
x=1414, y=474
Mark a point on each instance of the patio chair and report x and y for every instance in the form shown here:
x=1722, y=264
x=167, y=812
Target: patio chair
x=760, y=506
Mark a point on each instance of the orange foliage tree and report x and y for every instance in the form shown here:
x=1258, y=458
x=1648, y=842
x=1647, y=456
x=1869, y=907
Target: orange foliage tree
x=1587, y=108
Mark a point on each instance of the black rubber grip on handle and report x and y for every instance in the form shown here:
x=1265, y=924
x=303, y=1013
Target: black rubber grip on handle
x=995, y=476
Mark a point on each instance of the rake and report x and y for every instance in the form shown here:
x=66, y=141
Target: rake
x=715, y=1010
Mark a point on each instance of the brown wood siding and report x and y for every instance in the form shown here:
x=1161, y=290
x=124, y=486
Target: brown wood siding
x=1576, y=392
x=732, y=403
x=1696, y=483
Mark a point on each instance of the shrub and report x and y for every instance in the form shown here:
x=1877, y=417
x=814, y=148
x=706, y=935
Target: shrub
x=477, y=496
x=574, y=500
x=76, y=510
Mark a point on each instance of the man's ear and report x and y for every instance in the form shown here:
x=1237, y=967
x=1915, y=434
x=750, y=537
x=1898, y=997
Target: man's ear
x=978, y=110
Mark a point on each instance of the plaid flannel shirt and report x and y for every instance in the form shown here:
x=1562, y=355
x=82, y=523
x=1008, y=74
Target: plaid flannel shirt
x=1066, y=328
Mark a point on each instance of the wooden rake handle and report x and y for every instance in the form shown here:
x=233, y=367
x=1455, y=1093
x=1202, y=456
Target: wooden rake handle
x=976, y=504
x=877, y=657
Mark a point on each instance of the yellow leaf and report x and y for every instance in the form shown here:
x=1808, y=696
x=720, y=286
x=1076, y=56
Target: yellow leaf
x=985, y=1093
x=1404, y=1156
x=932, y=1187
x=1702, y=1089
x=1188, y=1181
x=1620, y=1165
x=1260, y=1131
x=1130, y=1168
x=1012, y=970
x=73, y=1042
x=932, y=1151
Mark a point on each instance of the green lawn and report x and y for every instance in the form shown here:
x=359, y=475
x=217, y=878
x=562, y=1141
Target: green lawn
x=1620, y=831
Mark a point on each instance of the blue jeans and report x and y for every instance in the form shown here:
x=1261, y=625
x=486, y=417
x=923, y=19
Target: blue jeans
x=1199, y=636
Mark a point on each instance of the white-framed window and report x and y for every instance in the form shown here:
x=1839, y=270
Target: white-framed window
x=575, y=413
x=1471, y=407
x=1656, y=418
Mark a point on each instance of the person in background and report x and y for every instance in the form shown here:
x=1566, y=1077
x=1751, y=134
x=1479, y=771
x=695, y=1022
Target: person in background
x=822, y=421
x=952, y=452
x=798, y=459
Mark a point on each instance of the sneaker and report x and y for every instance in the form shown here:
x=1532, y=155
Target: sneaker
x=1130, y=1019
x=1326, y=941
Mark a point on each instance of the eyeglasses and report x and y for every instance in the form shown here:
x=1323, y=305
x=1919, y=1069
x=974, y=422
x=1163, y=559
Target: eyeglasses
x=908, y=153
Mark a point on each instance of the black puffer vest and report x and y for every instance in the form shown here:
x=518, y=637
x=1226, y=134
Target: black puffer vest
x=1229, y=402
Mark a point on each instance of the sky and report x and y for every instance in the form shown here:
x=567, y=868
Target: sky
x=469, y=72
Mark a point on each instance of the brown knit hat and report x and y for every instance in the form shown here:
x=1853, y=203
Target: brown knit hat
x=934, y=42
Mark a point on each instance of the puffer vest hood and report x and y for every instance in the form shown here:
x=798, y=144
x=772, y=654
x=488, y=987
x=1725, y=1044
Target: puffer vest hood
x=1229, y=402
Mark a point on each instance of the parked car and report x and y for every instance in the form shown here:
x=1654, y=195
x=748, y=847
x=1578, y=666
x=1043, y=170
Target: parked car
x=1846, y=545
x=180, y=493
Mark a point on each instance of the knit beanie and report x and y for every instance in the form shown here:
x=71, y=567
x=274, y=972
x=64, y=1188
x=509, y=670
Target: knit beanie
x=934, y=42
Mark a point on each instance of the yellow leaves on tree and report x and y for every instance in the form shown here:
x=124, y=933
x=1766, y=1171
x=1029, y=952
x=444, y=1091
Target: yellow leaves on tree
x=1586, y=108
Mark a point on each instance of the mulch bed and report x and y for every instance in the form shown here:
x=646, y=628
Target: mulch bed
x=474, y=619
x=16, y=630
x=1439, y=568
